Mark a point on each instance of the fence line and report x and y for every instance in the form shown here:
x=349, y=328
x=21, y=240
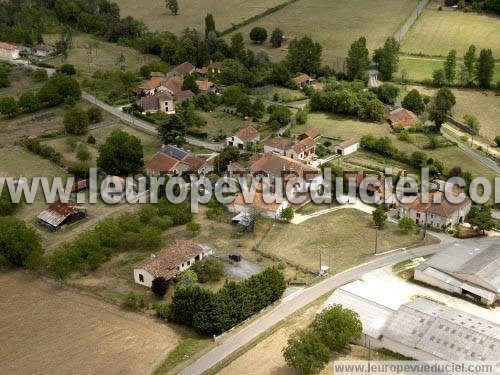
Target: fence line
x=399, y=35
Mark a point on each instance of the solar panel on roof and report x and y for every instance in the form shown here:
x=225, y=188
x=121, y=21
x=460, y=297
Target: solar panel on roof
x=174, y=151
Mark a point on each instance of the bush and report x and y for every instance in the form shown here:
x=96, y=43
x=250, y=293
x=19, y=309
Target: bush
x=76, y=121
x=94, y=115
x=67, y=69
x=91, y=140
x=209, y=269
x=406, y=224
x=159, y=287
x=497, y=140
x=163, y=310
x=193, y=227
x=133, y=301
x=40, y=75
x=19, y=244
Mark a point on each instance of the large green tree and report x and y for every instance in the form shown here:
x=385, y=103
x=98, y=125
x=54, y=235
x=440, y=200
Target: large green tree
x=121, y=154
x=450, y=66
x=19, y=244
x=358, y=60
x=209, y=24
x=173, y=6
x=413, y=101
x=306, y=353
x=173, y=130
x=485, y=67
x=76, y=121
x=387, y=58
x=469, y=65
x=277, y=38
x=304, y=56
x=337, y=326
x=480, y=218
x=258, y=35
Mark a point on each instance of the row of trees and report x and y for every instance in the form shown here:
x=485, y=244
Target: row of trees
x=474, y=70
x=214, y=313
x=59, y=89
x=130, y=231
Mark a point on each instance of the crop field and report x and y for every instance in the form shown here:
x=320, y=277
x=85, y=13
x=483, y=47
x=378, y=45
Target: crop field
x=350, y=240
x=418, y=69
x=90, y=54
x=47, y=330
x=336, y=24
x=192, y=13
x=436, y=32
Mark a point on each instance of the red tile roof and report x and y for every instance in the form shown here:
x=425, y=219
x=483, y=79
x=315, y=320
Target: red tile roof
x=311, y=133
x=303, y=78
x=185, y=68
x=153, y=83
x=183, y=95
x=258, y=202
x=347, y=143
x=174, y=84
x=402, y=117
x=202, y=71
x=7, y=46
x=247, y=134
x=165, y=262
x=152, y=102
x=279, y=166
x=304, y=145
x=280, y=143
x=437, y=204
x=161, y=163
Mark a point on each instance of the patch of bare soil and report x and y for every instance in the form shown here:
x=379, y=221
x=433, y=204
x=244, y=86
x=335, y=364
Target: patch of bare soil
x=49, y=330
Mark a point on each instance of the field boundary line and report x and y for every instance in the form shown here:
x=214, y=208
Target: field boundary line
x=400, y=34
x=257, y=17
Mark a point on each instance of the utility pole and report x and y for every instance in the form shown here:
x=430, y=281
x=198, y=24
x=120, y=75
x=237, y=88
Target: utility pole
x=376, y=239
x=425, y=226
x=320, y=262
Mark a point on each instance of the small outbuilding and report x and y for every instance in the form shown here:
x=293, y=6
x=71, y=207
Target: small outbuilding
x=347, y=147
x=59, y=214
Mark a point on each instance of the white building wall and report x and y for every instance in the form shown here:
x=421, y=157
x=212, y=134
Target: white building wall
x=147, y=277
x=348, y=150
x=167, y=106
x=236, y=142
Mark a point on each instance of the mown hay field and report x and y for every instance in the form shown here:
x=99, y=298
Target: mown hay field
x=192, y=13
x=436, y=32
x=335, y=24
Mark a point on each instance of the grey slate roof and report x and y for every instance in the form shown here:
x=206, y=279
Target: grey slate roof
x=478, y=266
x=444, y=332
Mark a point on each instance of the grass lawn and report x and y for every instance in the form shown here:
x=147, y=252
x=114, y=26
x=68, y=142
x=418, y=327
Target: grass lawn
x=150, y=143
x=336, y=24
x=419, y=69
x=103, y=58
x=337, y=127
x=436, y=32
x=192, y=13
x=20, y=81
x=345, y=237
x=285, y=95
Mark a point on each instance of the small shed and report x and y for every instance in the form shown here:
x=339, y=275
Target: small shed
x=347, y=147
x=59, y=214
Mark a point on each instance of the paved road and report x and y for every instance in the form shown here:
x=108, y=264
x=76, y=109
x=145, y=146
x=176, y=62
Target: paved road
x=291, y=304
x=488, y=163
x=143, y=125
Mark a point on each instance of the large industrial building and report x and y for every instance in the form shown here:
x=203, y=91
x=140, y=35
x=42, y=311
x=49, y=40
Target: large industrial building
x=421, y=329
x=471, y=272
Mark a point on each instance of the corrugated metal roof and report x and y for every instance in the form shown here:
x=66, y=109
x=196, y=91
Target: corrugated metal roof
x=373, y=316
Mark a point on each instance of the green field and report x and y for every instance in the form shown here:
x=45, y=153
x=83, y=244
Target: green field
x=482, y=104
x=192, y=13
x=285, y=95
x=338, y=127
x=437, y=32
x=418, y=69
x=336, y=24
x=86, y=57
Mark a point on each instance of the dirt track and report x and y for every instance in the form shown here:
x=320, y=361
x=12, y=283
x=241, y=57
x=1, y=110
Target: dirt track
x=47, y=330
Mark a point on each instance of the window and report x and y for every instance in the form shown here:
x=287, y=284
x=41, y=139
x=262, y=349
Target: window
x=189, y=263
x=141, y=277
